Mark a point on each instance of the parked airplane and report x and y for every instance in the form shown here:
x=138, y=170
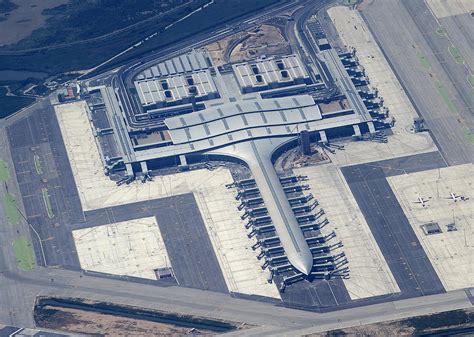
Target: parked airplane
x=455, y=197
x=421, y=201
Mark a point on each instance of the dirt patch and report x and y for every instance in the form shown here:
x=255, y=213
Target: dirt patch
x=217, y=50
x=78, y=321
x=107, y=319
x=265, y=40
x=244, y=46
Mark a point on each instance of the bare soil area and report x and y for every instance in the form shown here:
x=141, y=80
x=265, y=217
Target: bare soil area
x=108, y=319
x=244, y=46
x=265, y=40
x=78, y=321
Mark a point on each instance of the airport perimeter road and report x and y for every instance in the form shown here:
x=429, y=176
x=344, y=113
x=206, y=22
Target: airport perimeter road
x=436, y=84
x=216, y=305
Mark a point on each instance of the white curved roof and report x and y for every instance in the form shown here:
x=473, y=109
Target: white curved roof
x=257, y=155
x=252, y=130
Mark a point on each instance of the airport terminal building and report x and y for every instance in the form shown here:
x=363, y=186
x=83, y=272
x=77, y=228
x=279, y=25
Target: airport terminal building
x=185, y=110
x=188, y=111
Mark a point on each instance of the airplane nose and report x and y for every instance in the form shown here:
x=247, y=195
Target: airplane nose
x=303, y=264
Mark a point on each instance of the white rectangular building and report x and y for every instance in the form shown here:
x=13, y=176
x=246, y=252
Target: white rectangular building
x=179, y=89
x=270, y=73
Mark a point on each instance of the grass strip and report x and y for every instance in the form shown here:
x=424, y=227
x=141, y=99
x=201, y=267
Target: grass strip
x=446, y=97
x=423, y=60
x=24, y=254
x=469, y=135
x=4, y=174
x=38, y=167
x=11, y=210
x=470, y=79
x=47, y=203
x=456, y=55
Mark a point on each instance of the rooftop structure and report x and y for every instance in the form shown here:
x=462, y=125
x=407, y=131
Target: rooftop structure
x=239, y=126
x=186, y=63
x=339, y=72
x=159, y=92
x=270, y=73
x=251, y=131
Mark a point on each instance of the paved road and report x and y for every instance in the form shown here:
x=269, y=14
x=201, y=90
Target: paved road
x=216, y=305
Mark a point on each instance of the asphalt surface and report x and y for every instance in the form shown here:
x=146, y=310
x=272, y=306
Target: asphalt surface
x=457, y=73
x=388, y=223
x=20, y=288
x=420, y=81
x=39, y=135
x=319, y=295
x=185, y=236
x=10, y=331
x=271, y=319
x=188, y=245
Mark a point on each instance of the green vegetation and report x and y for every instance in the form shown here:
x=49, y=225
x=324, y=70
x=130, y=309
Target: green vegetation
x=7, y=6
x=85, y=20
x=456, y=55
x=423, y=60
x=446, y=97
x=61, y=59
x=469, y=135
x=441, y=31
x=11, y=210
x=24, y=254
x=470, y=79
x=4, y=174
x=38, y=167
x=47, y=203
x=10, y=104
